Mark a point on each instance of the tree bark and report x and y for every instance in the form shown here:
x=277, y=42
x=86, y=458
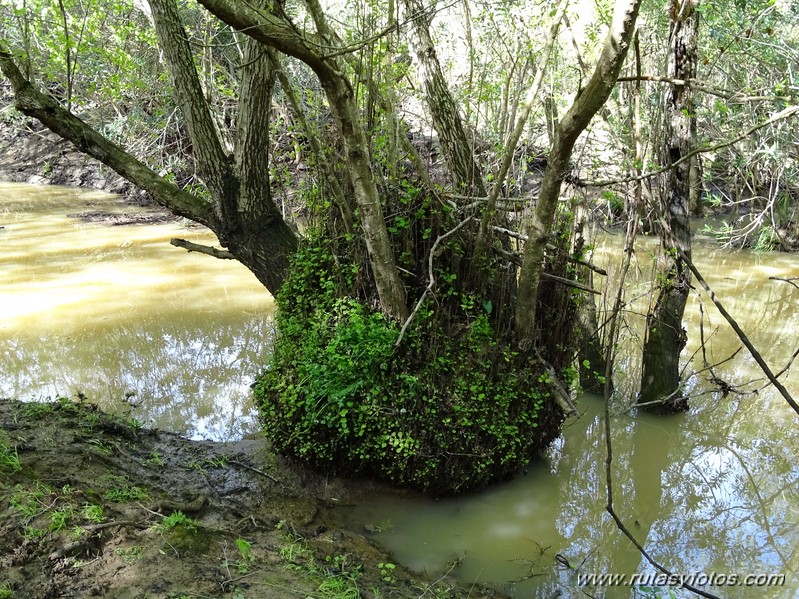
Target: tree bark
x=585, y=106
x=666, y=338
x=278, y=33
x=444, y=111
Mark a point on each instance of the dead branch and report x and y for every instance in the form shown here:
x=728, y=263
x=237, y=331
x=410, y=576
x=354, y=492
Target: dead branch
x=431, y=278
x=190, y=246
x=741, y=335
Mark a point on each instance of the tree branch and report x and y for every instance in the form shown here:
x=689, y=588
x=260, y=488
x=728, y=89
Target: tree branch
x=781, y=115
x=741, y=335
x=431, y=278
x=31, y=102
x=190, y=246
x=736, y=97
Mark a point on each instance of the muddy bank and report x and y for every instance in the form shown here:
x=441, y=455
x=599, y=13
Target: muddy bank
x=33, y=154
x=94, y=505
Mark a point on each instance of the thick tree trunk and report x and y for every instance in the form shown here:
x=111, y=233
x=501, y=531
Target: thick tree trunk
x=666, y=338
x=246, y=220
x=277, y=32
x=585, y=106
x=261, y=239
x=446, y=119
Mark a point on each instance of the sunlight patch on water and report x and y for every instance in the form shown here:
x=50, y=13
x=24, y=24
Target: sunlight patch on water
x=110, y=311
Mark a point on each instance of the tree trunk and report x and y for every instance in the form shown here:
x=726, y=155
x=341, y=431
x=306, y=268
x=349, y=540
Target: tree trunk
x=446, y=119
x=280, y=34
x=666, y=338
x=585, y=106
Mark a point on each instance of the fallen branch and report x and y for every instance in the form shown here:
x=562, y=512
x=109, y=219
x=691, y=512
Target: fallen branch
x=190, y=246
x=741, y=335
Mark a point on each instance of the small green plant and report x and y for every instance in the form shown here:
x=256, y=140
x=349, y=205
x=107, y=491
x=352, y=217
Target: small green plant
x=155, y=459
x=339, y=587
x=767, y=240
x=36, y=410
x=246, y=557
x=33, y=534
x=386, y=571
x=93, y=512
x=176, y=519
x=60, y=518
x=294, y=549
x=31, y=501
x=9, y=458
x=122, y=491
x=6, y=590
x=101, y=447
x=130, y=554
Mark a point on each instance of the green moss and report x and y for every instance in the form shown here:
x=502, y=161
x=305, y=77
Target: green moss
x=452, y=409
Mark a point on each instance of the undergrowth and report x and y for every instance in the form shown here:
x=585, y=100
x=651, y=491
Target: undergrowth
x=451, y=409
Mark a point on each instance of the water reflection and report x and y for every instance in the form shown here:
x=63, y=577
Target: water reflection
x=712, y=491
x=116, y=313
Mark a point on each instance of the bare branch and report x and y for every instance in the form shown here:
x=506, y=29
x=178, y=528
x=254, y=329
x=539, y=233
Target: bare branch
x=741, y=335
x=190, y=246
x=781, y=115
x=696, y=84
x=431, y=278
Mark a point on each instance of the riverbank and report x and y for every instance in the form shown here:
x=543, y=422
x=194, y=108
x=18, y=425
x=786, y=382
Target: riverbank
x=96, y=505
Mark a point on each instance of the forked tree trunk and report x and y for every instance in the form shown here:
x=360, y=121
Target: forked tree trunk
x=666, y=338
x=566, y=132
x=239, y=209
x=314, y=49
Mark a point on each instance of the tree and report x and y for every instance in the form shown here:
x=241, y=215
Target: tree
x=404, y=350
x=666, y=337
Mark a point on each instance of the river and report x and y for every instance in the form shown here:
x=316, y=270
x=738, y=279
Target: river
x=111, y=312
x=119, y=315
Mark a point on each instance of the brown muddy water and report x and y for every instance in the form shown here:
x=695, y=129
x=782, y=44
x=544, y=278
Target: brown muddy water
x=109, y=311
x=116, y=311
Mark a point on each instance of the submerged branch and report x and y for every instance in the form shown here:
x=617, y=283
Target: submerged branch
x=741, y=335
x=190, y=246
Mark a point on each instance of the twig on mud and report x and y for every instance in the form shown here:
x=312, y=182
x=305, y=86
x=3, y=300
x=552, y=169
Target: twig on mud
x=261, y=472
x=455, y=562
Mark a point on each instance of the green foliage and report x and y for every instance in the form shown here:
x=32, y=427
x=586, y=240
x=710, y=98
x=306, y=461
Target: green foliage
x=130, y=554
x=451, y=409
x=122, y=491
x=174, y=520
x=9, y=457
x=6, y=590
x=767, y=240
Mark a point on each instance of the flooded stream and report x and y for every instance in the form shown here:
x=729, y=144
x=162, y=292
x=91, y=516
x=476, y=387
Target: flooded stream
x=711, y=493
x=115, y=311
x=117, y=314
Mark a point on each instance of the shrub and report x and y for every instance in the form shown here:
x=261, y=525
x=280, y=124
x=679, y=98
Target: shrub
x=450, y=410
